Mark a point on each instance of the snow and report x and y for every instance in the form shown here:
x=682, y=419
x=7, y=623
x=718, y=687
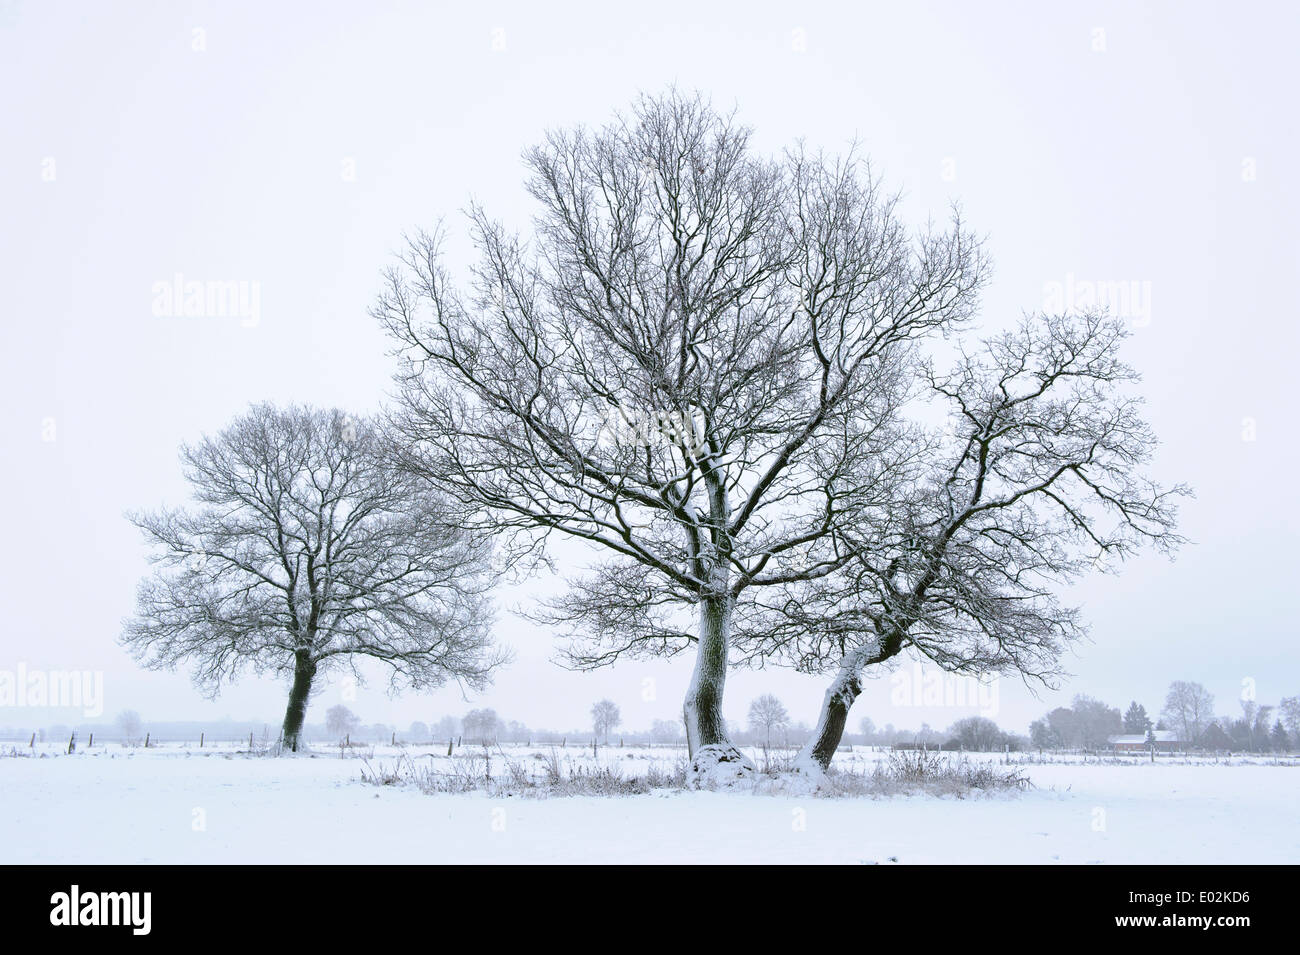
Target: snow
x=720, y=767
x=184, y=805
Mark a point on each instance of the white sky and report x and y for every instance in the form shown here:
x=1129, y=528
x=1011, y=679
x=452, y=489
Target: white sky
x=1129, y=163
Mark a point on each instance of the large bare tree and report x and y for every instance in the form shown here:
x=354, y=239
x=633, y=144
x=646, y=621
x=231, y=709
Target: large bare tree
x=1035, y=478
x=307, y=552
x=697, y=350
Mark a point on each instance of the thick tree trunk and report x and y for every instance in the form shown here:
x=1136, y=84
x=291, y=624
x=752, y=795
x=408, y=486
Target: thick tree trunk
x=703, y=708
x=304, y=671
x=714, y=760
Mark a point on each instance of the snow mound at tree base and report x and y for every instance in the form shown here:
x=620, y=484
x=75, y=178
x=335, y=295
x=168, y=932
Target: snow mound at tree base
x=809, y=772
x=279, y=749
x=720, y=766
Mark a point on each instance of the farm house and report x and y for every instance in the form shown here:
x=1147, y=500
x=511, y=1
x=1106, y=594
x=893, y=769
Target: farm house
x=1166, y=741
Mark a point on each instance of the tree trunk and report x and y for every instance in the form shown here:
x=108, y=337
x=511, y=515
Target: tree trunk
x=714, y=761
x=815, y=756
x=304, y=671
x=703, y=707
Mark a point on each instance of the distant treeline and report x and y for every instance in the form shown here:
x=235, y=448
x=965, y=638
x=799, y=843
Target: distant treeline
x=1187, y=715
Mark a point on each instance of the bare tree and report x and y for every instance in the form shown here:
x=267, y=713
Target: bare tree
x=605, y=717
x=961, y=539
x=307, y=553
x=1289, y=714
x=1097, y=722
x=977, y=734
x=767, y=713
x=130, y=725
x=447, y=727
x=683, y=369
x=341, y=721
x=1258, y=720
x=1189, y=708
x=481, y=725
x=665, y=731
x=867, y=727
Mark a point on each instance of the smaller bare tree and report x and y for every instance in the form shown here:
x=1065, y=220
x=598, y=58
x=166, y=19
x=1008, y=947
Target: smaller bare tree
x=1189, y=708
x=767, y=713
x=341, y=722
x=605, y=717
x=666, y=731
x=481, y=725
x=130, y=725
x=307, y=552
x=962, y=538
x=1289, y=710
x=867, y=727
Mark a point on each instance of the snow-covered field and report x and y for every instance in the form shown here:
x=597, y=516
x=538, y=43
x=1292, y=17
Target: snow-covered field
x=182, y=804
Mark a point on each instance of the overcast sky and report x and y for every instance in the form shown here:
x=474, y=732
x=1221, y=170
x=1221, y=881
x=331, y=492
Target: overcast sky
x=1148, y=145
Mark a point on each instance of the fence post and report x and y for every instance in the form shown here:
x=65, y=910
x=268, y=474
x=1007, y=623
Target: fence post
x=250, y=741
x=200, y=740
x=91, y=744
x=32, y=744
x=72, y=742
x=394, y=740
x=449, y=742
x=146, y=740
